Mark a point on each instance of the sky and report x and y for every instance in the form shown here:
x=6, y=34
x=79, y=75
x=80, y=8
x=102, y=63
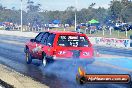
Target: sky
x=56, y=4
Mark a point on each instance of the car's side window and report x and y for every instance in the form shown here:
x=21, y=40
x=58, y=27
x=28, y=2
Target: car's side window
x=39, y=37
x=50, y=40
x=45, y=37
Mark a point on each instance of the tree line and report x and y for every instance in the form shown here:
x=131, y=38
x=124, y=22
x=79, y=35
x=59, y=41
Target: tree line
x=117, y=11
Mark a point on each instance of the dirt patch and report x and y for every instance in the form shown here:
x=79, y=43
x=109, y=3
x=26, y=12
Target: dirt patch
x=18, y=80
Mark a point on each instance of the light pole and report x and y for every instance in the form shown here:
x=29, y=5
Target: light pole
x=75, y=14
x=75, y=20
x=21, y=17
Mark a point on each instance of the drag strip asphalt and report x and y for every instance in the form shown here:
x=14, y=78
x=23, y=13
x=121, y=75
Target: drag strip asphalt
x=57, y=75
x=114, y=51
x=102, y=49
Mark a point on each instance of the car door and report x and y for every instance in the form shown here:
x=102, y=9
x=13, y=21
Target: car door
x=36, y=45
x=49, y=45
x=43, y=44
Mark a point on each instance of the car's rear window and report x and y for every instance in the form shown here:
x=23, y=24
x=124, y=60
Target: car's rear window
x=71, y=40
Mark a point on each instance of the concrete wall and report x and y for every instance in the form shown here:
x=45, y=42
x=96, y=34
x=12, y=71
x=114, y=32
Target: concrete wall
x=111, y=42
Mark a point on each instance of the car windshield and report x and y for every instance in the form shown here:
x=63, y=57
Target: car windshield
x=75, y=41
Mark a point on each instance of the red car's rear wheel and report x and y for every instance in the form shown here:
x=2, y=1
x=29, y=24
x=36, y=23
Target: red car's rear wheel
x=28, y=57
x=44, y=61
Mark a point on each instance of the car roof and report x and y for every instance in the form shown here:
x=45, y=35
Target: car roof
x=64, y=32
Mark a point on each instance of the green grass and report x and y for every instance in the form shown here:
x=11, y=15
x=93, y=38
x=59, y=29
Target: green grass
x=114, y=34
x=62, y=29
x=1, y=28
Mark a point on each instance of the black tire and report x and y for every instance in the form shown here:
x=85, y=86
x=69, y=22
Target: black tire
x=28, y=57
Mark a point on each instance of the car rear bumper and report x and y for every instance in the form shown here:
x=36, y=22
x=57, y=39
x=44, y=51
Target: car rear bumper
x=89, y=60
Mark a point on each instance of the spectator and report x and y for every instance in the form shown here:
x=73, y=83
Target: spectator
x=78, y=28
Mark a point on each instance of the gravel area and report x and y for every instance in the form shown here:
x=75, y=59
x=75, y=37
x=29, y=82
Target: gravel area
x=14, y=79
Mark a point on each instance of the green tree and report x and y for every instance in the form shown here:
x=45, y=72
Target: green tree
x=115, y=10
x=31, y=7
x=127, y=13
x=33, y=15
x=101, y=14
x=121, y=10
x=68, y=16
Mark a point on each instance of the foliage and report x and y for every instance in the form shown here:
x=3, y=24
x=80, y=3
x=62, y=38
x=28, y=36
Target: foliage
x=118, y=11
x=121, y=10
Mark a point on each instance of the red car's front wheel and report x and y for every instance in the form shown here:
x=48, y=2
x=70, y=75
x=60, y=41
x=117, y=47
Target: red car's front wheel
x=28, y=57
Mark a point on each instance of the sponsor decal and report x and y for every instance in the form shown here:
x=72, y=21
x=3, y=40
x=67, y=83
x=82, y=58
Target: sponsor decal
x=48, y=49
x=83, y=78
x=37, y=49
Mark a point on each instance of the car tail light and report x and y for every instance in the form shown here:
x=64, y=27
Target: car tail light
x=86, y=54
x=54, y=52
x=61, y=52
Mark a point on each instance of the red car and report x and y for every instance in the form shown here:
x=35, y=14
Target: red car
x=57, y=45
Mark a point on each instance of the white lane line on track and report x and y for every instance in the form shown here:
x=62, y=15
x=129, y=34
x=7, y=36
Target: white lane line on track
x=112, y=66
x=18, y=33
x=12, y=42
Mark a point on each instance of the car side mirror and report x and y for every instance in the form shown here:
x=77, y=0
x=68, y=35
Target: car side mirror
x=32, y=40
